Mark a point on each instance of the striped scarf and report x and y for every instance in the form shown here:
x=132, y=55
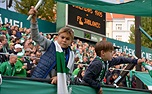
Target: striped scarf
x=62, y=69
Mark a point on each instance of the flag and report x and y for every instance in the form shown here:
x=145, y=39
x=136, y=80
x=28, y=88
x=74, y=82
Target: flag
x=62, y=69
x=148, y=67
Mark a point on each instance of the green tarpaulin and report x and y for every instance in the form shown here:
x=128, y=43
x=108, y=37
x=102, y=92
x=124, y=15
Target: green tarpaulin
x=145, y=78
x=136, y=7
x=22, y=86
x=18, y=19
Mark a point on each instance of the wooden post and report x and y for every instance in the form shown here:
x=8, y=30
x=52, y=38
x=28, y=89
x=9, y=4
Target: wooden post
x=138, y=47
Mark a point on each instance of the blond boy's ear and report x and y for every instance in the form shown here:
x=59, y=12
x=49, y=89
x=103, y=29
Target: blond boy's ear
x=56, y=37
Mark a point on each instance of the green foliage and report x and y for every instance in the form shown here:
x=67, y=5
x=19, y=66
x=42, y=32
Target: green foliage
x=146, y=24
x=132, y=35
x=46, y=11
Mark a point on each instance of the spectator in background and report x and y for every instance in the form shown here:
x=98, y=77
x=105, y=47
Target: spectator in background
x=76, y=71
x=13, y=34
x=34, y=49
x=38, y=54
x=116, y=70
x=3, y=40
x=18, y=48
x=27, y=32
x=27, y=43
x=3, y=31
x=28, y=62
x=7, y=25
x=110, y=73
x=78, y=78
x=91, y=59
x=76, y=62
x=74, y=46
x=91, y=50
x=3, y=58
x=11, y=48
x=48, y=36
x=17, y=41
x=79, y=53
x=7, y=68
x=111, y=78
x=18, y=33
x=33, y=62
x=10, y=30
x=85, y=60
x=20, y=67
x=27, y=52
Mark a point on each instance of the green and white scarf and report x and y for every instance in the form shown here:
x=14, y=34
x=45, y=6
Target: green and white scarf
x=62, y=69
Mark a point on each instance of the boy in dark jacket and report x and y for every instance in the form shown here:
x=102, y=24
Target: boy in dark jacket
x=96, y=70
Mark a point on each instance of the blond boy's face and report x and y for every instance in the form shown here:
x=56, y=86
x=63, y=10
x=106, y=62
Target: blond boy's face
x=64, y=40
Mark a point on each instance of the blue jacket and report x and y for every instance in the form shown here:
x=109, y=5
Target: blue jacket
x=46, y=63
x=93, y=71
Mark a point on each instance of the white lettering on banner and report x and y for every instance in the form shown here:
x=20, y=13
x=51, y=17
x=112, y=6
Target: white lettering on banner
x=6, y=20
x=125, y=48
x=148, y=55
x=143, y=54
x=11, y=21
x=130, y=51
x=16, y=22
x=1, y=19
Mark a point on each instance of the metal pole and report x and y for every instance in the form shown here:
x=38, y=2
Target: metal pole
x=7, y=4
x=138, y=47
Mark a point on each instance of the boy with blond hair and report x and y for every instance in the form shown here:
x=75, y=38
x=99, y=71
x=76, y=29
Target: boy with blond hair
x=58, y=56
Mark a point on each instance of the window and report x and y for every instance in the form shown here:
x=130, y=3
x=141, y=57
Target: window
x=118, y=26
x=119, y=37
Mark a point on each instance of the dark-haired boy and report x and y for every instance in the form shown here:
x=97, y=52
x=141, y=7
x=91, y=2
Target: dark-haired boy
x=96, y=70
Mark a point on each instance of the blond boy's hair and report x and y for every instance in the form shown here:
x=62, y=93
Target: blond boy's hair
x=68, y=30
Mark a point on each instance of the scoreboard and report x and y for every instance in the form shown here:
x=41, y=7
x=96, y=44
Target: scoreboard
x=86, y=18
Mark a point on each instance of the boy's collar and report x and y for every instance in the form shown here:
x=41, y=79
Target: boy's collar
x=101, y=59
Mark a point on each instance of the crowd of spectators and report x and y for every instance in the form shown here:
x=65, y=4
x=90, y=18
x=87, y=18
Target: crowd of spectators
x=17, y=42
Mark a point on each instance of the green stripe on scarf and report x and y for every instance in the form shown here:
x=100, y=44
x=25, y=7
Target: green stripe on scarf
x=61, y=70
x=61, y=65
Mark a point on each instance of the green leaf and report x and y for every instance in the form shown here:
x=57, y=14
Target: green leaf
x=46, y=10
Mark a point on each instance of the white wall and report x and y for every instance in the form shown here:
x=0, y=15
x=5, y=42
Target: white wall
x=109, y=29
x=124, y=32
x=124, y=35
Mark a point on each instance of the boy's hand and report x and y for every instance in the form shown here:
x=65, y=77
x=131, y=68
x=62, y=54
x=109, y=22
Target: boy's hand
x=100, y=91
x=54, y=80
x=33, y=12
x=140, y=61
